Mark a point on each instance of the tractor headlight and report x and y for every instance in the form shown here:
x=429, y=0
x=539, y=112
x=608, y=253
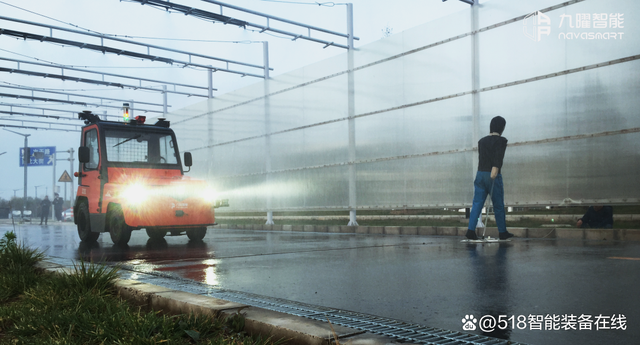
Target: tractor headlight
x=209, y=195
x=135, y=194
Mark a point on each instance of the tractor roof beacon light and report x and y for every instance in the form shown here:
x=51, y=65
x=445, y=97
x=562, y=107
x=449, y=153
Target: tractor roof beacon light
x=125, y=112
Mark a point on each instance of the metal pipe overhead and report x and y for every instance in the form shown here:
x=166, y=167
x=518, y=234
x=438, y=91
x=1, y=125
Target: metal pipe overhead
x=34, y=115
x=37, y=128
x=117, y=51
x=220, y=18
x=279, y=19
x=103, y=73
x=7, y=95
x=81, y=45
x=33, y=89
x=192, y=11
x=41, y=122
x=93, y=81
x=108, y=37
x=74, y=112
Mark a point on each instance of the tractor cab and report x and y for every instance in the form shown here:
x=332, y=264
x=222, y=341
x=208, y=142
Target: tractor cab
x=131, y=177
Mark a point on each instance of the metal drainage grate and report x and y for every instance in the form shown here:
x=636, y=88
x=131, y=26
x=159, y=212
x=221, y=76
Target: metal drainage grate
x=399, y=330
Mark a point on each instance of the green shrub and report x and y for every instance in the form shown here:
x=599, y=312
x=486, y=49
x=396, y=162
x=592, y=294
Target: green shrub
x=17, y=271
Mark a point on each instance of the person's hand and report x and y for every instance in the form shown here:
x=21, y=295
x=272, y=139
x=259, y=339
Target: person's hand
x=579, y=223
x=494, y=172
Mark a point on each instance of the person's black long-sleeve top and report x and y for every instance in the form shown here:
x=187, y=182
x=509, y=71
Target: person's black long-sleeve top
x=45, y=204
x=491, y=149
x=601, y=218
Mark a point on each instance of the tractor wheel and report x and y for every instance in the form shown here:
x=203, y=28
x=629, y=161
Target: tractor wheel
x=196, y=234
x=119, y=230
x=84, y=225
x=156, y=233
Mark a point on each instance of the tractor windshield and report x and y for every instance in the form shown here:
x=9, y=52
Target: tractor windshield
x=126, y=146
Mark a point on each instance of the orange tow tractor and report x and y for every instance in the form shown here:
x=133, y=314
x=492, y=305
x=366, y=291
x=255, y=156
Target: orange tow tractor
x=131, y=177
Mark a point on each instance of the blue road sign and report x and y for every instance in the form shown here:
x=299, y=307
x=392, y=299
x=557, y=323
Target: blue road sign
x=39, y=156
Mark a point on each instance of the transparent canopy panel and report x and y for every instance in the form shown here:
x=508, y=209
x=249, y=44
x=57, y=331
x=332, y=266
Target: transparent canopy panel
x=571, y=107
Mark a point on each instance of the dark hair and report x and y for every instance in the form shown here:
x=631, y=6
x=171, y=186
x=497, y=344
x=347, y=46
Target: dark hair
x=497, y=124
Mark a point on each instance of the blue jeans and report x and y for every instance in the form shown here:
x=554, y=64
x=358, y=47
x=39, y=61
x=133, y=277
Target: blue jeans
x=482, y=186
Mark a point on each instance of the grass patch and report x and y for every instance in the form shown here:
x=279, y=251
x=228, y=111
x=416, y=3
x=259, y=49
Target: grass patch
x=82, y=308
x=17, y=271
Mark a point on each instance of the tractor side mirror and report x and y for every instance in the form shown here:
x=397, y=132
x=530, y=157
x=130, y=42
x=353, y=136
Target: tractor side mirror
x=188, y=161
x=84, y=154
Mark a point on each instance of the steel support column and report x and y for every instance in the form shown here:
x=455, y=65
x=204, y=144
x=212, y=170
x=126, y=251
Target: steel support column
x=475, y=82
x=26, y=161
x=164, y=101
x=53, y=185
x=210, y=141
x=352, y=121
x=267, y=129
x=71, y=160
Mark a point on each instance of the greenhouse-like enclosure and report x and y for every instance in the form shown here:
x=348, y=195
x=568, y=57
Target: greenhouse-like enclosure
x=399, y=129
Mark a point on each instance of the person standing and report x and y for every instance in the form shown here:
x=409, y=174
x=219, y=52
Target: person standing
x=44, y=209
x=488, y=180
x=57, y=206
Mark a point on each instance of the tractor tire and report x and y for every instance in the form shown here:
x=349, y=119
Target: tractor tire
x=156, y=234
x=119, y=230
x=196, y=234
x=84, y=225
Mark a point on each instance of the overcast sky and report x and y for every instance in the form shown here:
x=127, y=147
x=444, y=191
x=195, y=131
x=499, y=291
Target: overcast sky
x=130, y=20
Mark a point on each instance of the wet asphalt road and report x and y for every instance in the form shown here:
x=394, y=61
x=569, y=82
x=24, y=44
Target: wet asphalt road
x=433, y=281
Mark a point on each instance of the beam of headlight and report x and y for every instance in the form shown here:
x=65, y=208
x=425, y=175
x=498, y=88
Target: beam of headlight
x=277, y=189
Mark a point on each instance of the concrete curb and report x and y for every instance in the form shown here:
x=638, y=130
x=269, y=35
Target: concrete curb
x=510, y=217
x=559, y=232
x=296, y=330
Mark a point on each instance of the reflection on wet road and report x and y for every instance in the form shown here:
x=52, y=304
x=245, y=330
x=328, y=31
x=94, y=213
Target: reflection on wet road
x=189, y=260
x=433, y=281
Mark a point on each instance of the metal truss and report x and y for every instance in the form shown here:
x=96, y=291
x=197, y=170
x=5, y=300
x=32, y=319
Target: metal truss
x=103, y=74
x=43, y=99
x=41, y=122
x=74, y=113
x=104, y=49
x=33, y=90
x=11, y=112
x=8, y=95
x=33, y=115
x=215, y=17
x=37, y=128
x=93, y=81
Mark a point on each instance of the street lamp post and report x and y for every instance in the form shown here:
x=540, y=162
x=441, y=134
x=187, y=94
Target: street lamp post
x=12, y=201
x=37, y=190
x=25, y=163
